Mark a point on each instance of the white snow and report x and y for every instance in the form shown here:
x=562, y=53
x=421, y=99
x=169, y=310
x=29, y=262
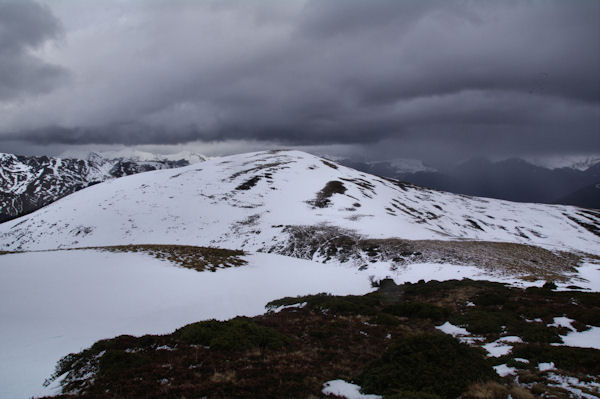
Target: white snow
x=587, y=277
x=536, y=320
x=546, y=366
x=137, y=155
x=585, y=339
x=501, y=346
x=578, y=162
x=460, y=333
x=503, y=370
x=574, y=385
x=451, y=329
x=562, y=322
x=54, y=303
x=444, y=271
x=345, y=390
x=199, y=205
x=294, y=306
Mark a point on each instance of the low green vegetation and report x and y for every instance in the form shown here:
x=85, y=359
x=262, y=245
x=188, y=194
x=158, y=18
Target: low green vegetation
x=349, y=304
x=233, y=335
x=577, y=360
x=385, y=341
x=433, y=364
x=418, y=309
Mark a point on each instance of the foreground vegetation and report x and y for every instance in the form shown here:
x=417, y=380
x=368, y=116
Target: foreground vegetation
x=385, y=341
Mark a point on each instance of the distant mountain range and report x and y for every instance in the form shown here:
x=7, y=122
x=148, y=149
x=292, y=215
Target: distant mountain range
x=29, y=183
x=511, y=179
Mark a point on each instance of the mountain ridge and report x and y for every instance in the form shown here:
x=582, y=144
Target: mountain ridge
x=257, y=201
x=29, y=183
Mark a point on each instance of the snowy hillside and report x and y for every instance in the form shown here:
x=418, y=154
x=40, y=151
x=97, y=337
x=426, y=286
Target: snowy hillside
x=286, y=203
x=260, y=201
x=42, y=326
x=49, y=307
x=29, y=183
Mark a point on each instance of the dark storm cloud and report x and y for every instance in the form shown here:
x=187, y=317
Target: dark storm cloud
x=429, y=76
x=24, y=26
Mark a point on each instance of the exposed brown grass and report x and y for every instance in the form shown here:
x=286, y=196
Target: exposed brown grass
x=526, y=261
x=189, y=256
x=322, y=198
x=330, y=164
x=486, y=390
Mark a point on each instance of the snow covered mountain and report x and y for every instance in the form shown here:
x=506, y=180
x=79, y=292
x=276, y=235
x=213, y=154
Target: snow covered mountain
x=347, y=228
x=287, y=202
x=29, y=183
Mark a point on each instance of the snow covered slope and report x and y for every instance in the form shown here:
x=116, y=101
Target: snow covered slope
x=55, y=303
x=249, y=201
x=59, y=302
x=29, y=183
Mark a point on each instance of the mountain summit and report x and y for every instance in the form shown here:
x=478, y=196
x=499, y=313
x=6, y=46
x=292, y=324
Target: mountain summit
x=280, y=201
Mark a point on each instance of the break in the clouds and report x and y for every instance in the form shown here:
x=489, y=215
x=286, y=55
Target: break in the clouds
x=421, y=78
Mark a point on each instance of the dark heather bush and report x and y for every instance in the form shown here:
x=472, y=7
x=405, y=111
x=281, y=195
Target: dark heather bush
x=435, y=364
x=235, y=334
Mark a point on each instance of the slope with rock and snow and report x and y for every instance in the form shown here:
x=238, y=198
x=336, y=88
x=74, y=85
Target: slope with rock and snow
x=297, y=204
x=29, y=183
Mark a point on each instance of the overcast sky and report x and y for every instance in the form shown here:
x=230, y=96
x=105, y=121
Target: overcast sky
x=433, y=80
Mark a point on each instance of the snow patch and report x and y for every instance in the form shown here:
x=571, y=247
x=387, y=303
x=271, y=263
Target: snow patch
x=500, y=347
x=503, y=370
x=562, y=322
x=345, y=390
x=574, y=385
x=451, y=329
x=546, y=366
x=584, y=339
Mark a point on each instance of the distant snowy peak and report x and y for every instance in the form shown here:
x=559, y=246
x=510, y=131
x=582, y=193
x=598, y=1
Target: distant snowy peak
x=143, y=156
x=29, y=183
x=288, y=202
x=399, y=167
x=578, y=162
x=405, y=165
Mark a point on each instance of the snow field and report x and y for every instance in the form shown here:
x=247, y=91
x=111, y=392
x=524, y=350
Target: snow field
x=57, y=302
x=202, y=205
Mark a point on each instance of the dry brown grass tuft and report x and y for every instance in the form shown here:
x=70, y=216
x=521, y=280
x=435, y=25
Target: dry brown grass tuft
x=191, y=257
x=486, y=390
x=228, y=376
x=517, y=392
x=525, y=261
